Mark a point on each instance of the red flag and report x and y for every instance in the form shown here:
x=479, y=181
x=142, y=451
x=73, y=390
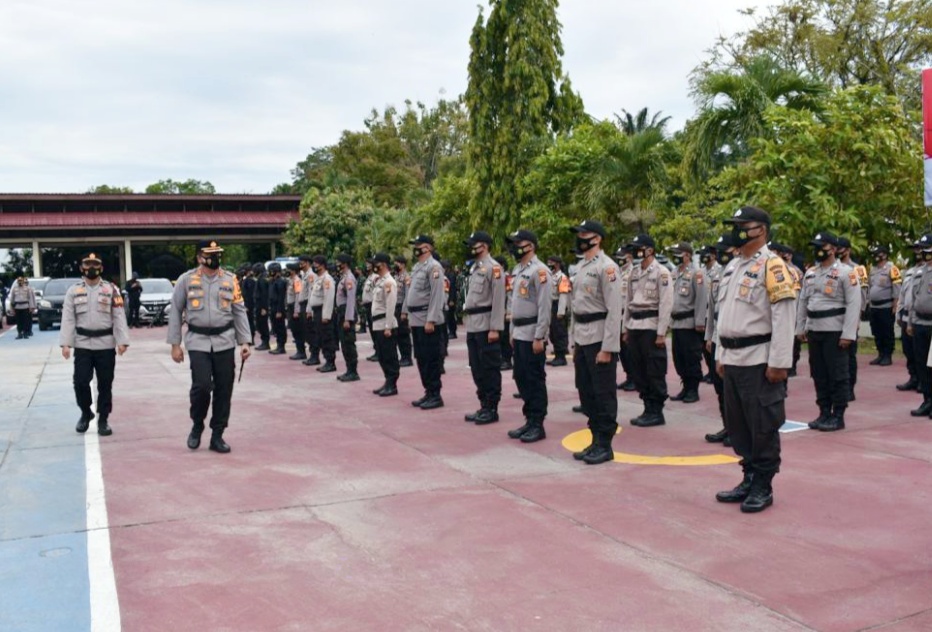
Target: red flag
x=927, y=132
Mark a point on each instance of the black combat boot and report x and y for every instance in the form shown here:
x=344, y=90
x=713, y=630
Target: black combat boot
x=557, y=361
x=217, y=444
x=835, y=422
x=314, y=360
x=350, y=376
x=84, y=422
x=329, y=367
x=824, y=414
x=535, y=434
x=517, y=432
x=679, y=396
x=103, y=428
x=691, y=396
x=761, y=494
x=654, y=416
x=718, y=437
x=278, y=351
x=876, y=360
x=739, y=493
x=602, y=453
x=389, y=389
x=487, y=416
x=264, y=346
x=300, y=355
x=506, y=365
x=924, y=409
x=910, y=385
x=417, y=403
x=886, y=361
x=373, y=358
x=589, y=448
x=644, y=414
x=433, y=401
x=194, y=439
x=405, y=361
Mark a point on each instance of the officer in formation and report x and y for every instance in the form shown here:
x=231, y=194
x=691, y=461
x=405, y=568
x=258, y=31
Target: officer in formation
x=530, y=326
x=23, y=304
x=262, y=306
x=648, y=309
x=452, y=299
x=311, y=337
x=883, y=293
x=321, y=305
x=485, y=322
x=384, y=325
x=560, y=296
x=403, y=280
x=690, y=302
x=505, y=341
x=597, y=317
x=278, y=307
x=444, y=333
x=708, y=259
x=843, y=255
x=93, y=323
x=724, y=255
x=919, y=319
x=295, y=312
x=346, y=317
x=249, y=299
x=786, y=253
x=827, y=316
x=754, y=351
x=134, y=295
x=422, y=310
x=902, y=313
x=366, y=304
x=209, y=299
x=624, y=260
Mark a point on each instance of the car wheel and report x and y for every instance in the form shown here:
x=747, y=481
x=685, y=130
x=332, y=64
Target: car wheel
x=44, y=326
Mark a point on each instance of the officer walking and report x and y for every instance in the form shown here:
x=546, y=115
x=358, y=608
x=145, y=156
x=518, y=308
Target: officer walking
x=134, y=294
x=827, y=317
x=690, y=303
x=322, y=303
x=403, y=280
x=560, y=296
x=346, y=317
x=209, y=299
x=597, y=317
x=23, y=303
x=754, y=350
x=725, y=252
x=384, y=325
x=93, y=323
x=883, y=293
x=423, y=311
x=278, y=306
x=648, y=308
x=262, y=306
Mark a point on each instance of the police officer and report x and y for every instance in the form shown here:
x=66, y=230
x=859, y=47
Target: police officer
x=725, y=252
x=754, y=350
x=23, y=304
x=3, y=293
x=367, y=288
x=321, y=304
x=648, y=308
x=452, y=298
x=249, y=299
x=278, y=306
x=384, y=325
x=690, y=303
x=920, y=324
x=844, y=256
x=403, y=280
x=624, y=260
x=883, y=292
x=296, y=311
x=505, y=341
x=902, y=311
x=530, y=324
x=134, y=294
x=262, y=306
x=827, y=317
x=786, y=253
x=560, y=295
x=311, y=339
x=346, y=317
x=597, y=316
x=485, y=321
x=209, y=299
x=93, y=323
x=708, y=259
x=423, y=311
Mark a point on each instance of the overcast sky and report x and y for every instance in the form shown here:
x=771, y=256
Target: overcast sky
x=128, y=92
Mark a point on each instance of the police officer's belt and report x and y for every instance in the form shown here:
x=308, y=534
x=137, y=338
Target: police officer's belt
x=521, y=322
x=886, y=303
x=414, y=309
x=651, y=313
x=826, y=313
x=94, y=333
x=377, y=317
x=742, y=343
x=923, y=316
x=682, y=315
x=590, y=318
x=472, y=311
x=209, y=331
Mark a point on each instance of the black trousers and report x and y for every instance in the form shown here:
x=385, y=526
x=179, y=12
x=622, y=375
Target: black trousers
x=797, y=351
x=280, y=328
x=882, y=321
x=754, y=412
x=828, y=364
x=922, y=339
x=596, y=384
x=485, y=363
x=133, y=320
x=404, y=335
x=212, y=373
x=386, y=350
x=23, y=321
x=326, y=334
x=559, y=337
x=853, y=365
x=427, y=354
x=262, y=326
x=251, y=317
x=507, y=351
x=444, y=343
x=347, y=340
x=719, y=385
x=709, y=359
x=625, y=359
x=648, y=365
x=687, y=356
x=296, y=324
x=86, y=364
x=311, y=335
x=909, y=351
x=451, y=322
x=531, y=378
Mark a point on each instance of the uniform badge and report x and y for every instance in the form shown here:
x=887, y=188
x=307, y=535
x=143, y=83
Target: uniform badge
x=778, y=276
x=496, y=272
x=853, y=278
x=755, y=269
x=436, y=274
x=744, y=290
x=610, y=273
x=542, y=275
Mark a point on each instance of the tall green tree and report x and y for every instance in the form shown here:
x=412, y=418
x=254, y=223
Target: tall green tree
x=106, y=189
x=631, y=124
x=187, y=187
x=331, y=222
x=518, y=98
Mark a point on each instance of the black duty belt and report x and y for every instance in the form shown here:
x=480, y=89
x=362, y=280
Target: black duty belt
x=209, y=331
x=886, y=303
x=522, y=322
x=923, y=316
x=826, y=313
x=94, y=333
x=682, y=315
x=743, y=343
x=377, y=317
x=590, y=318
x=414, y=309
x=651, y=313
x=472, y=311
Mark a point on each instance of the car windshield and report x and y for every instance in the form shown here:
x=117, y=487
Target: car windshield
x=156, y=286
x=38, y=284
x=58, y=287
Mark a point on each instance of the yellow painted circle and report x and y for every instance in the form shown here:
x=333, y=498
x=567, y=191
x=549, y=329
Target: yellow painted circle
x=579, y=440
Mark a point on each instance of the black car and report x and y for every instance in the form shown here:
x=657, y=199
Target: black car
x=52, y=299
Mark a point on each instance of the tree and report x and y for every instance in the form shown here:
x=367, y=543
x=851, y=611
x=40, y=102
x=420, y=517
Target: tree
x=518, y=98
x=105, y=189
x=314, y=171
x=632, y=124
x=188, y=187
x=18, y=262
x=330, y=222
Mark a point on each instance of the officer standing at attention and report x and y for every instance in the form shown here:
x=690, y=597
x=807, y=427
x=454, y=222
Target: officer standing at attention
x=920, y=324
x=530, y=324
x=322, y=303
x=597, y=317
x=827, y=317
x=786, y=253
x=560, y=295
x=754, y=350
x=485, y=321
x=383, y=325
x=311, y=339
x=367, y=289
x=725, y=253
x=844, y=256
x=883, y=292
x=93, y=323
x=249, y=299
x=902, y=307
x=452, y=298
x=624, y=260
x=346, y=317
x=648, y=309
x=134, y=294
x=278, y=306
x=209, y=299
x=262, y=306
x=708, y=259
x=423, y=310
x=403, y=280
x=690, y=303
x=505, y=341
x=23, y=304
x=296, y=311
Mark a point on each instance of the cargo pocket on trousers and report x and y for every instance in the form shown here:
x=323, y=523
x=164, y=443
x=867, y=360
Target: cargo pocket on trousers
x=772, y=398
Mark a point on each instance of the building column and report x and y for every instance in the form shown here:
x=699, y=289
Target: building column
x=36, y=259
x=128, y=258
x=274, y=248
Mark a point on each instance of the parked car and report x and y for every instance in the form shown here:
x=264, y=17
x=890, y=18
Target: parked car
x=53, y=297
x=38, y=285
x=156, y=296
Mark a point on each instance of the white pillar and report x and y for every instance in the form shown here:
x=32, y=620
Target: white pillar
x=273, y=250
x=128, y=254
x=36, y=259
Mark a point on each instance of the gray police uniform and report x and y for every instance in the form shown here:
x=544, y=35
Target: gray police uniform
x=384, y=290
x=920, y=321
x=403, y=281
x=883, y=291
x=689, y=311
x=346, y=312
x=485, y=312
x=23, y=304
x=902, y=306
x=648, y=311
x=423, y=303
x=321, y=305
x=530, y=320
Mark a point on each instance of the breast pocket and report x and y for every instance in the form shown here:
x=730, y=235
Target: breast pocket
x=650, y=290
x=226, y=300
x=748, y=290
x=80, y=304
x=422, y=283
x=104, y=303
x=195, y=299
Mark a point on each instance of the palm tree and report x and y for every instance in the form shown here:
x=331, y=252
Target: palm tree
x=731, y=111
x=631, y=125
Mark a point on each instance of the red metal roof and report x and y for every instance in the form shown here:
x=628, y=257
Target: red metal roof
x=142, y=220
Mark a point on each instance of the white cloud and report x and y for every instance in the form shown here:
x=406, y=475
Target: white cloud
x=237, y=91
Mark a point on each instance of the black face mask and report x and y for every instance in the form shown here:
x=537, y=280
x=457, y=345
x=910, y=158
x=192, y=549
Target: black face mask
x=418, y=251
x=475, y=251
x=677, y=260
x=879, y=259
x=211, y=262
x=552, y=268
x=583, y=245
x=725, y=257
x=821, y=255
x=741, y=236
x=92, y=273
x=704, y=259
x=518, y=252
